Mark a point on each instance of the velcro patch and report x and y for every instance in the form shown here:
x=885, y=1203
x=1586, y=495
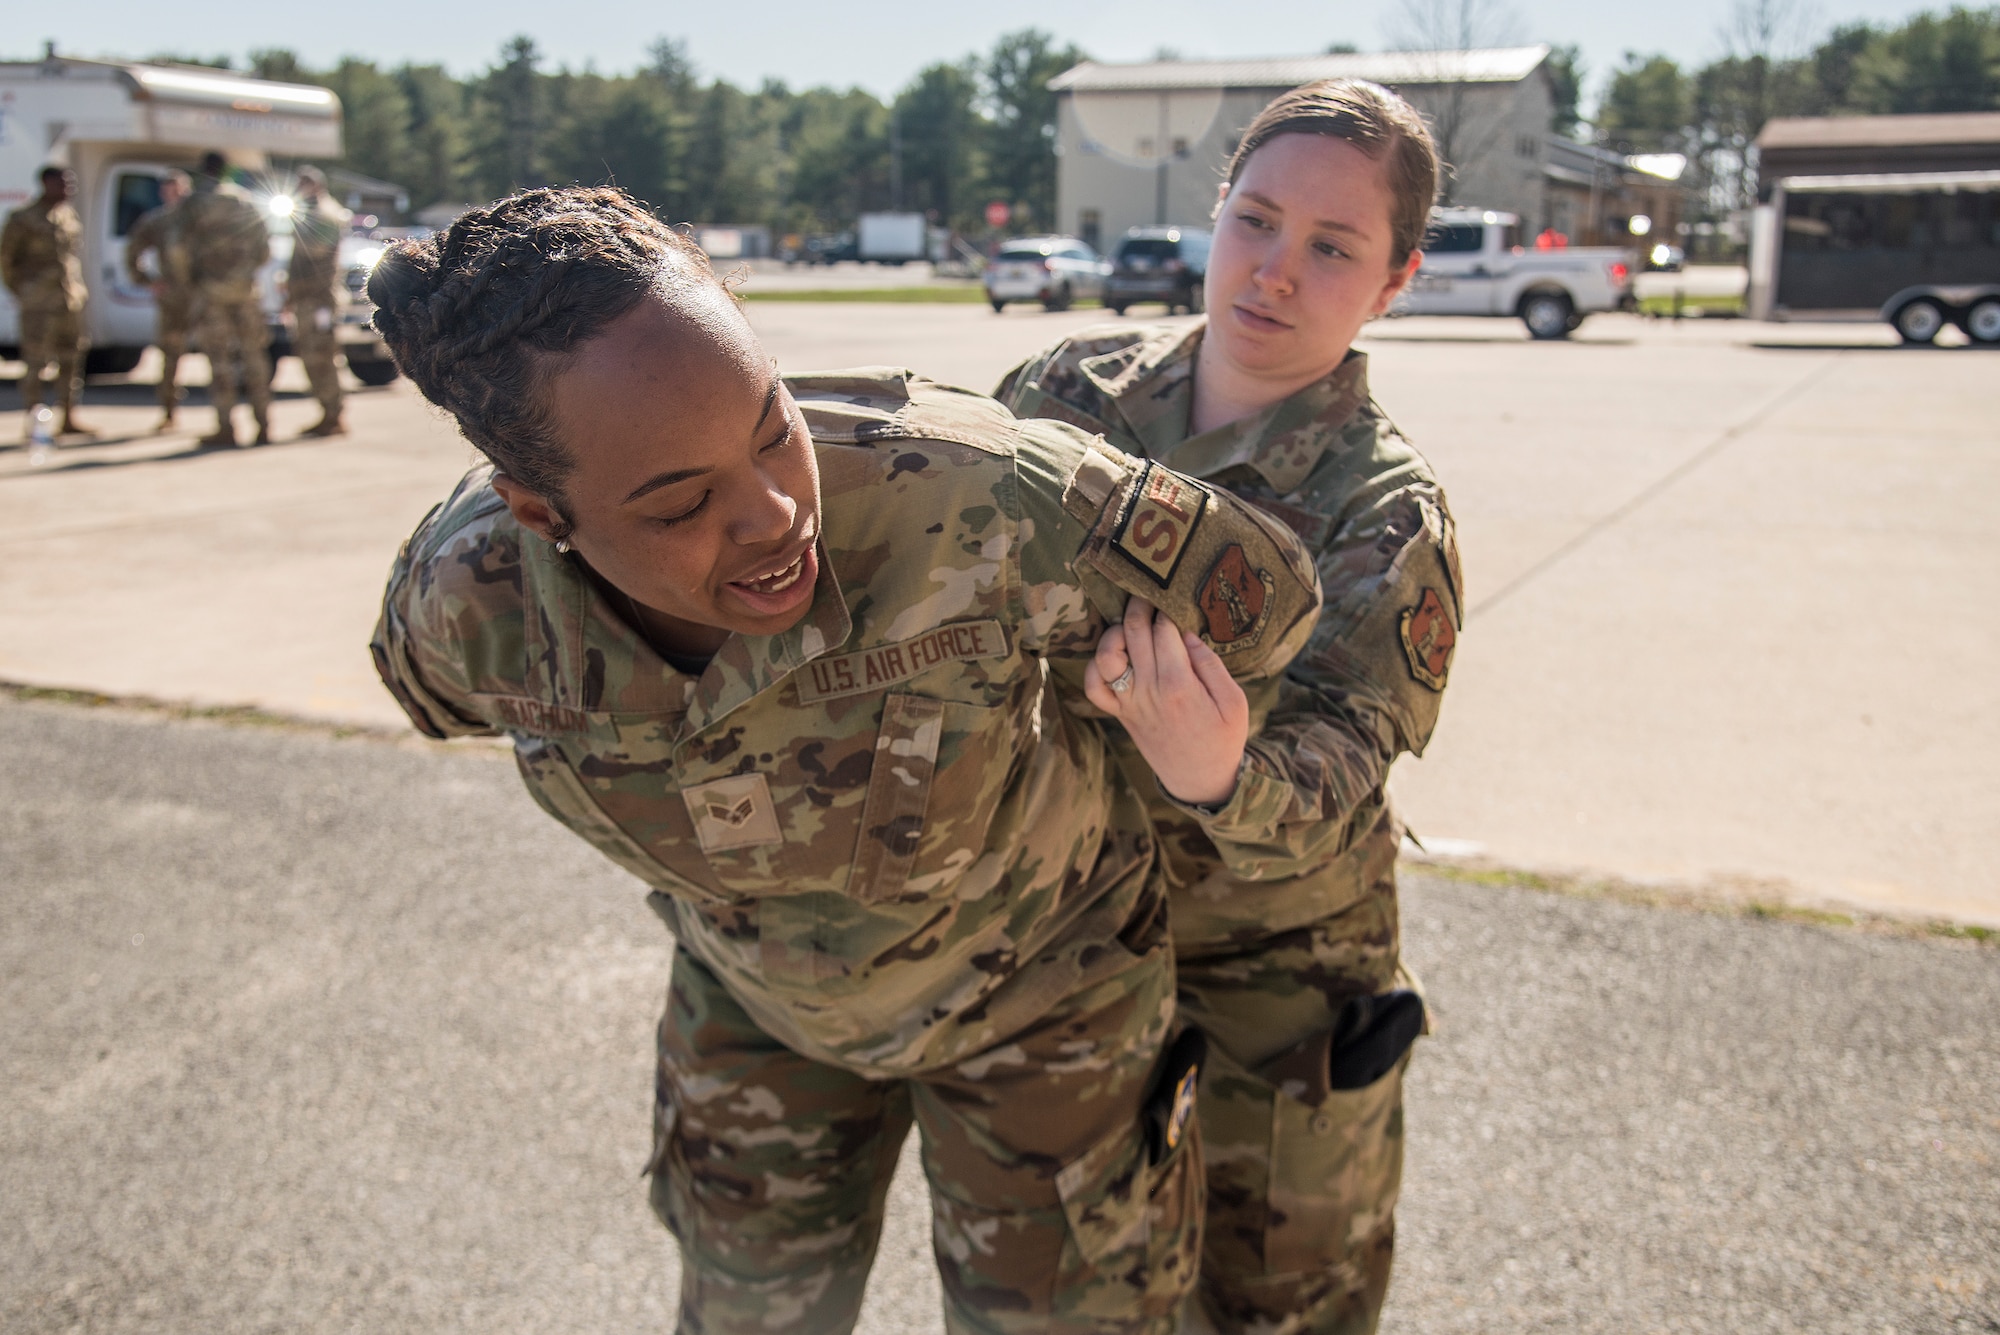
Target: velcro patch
x=889, y=664
x=736, y=812
x=1428, y=639
x=1160, y=523
x=1233, y=598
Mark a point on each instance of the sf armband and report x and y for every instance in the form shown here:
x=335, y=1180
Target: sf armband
x=1215, y=566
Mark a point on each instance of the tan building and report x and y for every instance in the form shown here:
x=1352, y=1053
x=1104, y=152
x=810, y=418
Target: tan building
x=1147, y=143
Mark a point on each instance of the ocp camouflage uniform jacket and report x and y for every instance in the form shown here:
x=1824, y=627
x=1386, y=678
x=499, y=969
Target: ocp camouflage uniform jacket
x=316, y=233
x=881, y=828
x=1332, y=466
x=161, y=231
x=227, y=241
x=41, y=259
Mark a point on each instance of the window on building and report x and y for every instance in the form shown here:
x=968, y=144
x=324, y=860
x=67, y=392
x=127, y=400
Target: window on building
x=1090, y=227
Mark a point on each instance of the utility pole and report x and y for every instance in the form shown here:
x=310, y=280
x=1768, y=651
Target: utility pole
x=1160, y=151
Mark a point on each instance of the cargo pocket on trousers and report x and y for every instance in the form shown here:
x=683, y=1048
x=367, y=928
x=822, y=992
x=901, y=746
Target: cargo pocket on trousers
x=1336, y=1169
x=1136, y=1224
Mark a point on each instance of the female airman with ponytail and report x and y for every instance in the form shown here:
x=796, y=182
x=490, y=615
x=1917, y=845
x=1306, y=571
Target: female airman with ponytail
x=1289, y=956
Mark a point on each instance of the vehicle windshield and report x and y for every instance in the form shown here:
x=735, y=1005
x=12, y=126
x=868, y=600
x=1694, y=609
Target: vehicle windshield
x=1456, y=239
x=1148, y=247
x=1027, y=250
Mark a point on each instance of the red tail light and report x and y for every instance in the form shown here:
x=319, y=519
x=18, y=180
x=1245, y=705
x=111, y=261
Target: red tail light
x=1619, y=273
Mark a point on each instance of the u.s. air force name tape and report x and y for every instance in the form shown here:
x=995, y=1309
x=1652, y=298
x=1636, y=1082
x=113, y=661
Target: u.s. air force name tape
x=889, y=664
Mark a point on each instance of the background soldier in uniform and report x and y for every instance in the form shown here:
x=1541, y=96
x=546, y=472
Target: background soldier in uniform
x=227, y=243
x=809, y=658
x=41, y=265
x=1289, y=959
x=317, y=228
x=158, y=233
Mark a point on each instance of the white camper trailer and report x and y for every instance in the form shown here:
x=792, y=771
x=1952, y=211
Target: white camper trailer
x=120, y=127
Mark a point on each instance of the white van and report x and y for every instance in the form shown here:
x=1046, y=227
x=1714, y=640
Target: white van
x=121, y=127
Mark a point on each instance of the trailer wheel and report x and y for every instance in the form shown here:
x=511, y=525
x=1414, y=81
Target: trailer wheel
x=999, y=306
x=1059, y=301
x=1982, y=322
x=1919, y=321
x=1547, y=315
x=1116, y=308
x=377, y=371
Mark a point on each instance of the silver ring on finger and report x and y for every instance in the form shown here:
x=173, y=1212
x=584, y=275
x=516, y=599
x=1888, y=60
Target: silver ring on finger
x=1123, y=681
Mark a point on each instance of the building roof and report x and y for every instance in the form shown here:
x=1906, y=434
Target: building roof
x=1509, y=64
x=1970, y=127
x=1893, y=183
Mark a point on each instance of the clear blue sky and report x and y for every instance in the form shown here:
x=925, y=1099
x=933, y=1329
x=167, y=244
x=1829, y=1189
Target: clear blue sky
x=871, y=43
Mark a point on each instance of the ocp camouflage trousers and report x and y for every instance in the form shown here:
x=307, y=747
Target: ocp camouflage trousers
x=237, y=341
x=52, y=336
x=174, y=320
x=1048, y=1213
x=313, y=340
x=1302, y=1179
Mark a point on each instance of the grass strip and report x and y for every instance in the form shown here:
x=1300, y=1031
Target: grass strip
x=234, y=716
x=1730, y=899
x=1694, y=307
x=928, y=295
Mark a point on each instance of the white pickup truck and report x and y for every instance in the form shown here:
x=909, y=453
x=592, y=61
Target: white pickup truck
x=1474, y=264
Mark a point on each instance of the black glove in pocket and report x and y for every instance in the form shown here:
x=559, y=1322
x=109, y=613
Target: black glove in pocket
x=1370, y=1036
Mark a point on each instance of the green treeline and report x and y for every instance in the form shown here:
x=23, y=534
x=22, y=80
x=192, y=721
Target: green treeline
x=1931, y=63
x=982, y=128
x=958, y=136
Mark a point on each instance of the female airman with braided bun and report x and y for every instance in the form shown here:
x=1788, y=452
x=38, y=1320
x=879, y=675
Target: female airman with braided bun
x=815, y=659
x=1289, y=958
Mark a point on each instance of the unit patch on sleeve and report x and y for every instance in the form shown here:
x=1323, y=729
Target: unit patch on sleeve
x=1233, y=598
x=1159, y=523
x=889, y=664
x=735, y=812
x=1428, y=639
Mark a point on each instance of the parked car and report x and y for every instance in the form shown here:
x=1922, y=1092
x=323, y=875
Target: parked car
x=1159, y=264
x=1054, y=270
x=831, y=248
x=1474, y=264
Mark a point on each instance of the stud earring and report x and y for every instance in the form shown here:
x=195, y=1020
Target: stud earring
x=562, y=545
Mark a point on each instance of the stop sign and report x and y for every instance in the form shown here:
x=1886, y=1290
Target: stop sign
x=997, y=214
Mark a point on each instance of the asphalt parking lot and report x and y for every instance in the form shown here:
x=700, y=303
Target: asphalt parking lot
x=309, y=1035
x=1724, y=579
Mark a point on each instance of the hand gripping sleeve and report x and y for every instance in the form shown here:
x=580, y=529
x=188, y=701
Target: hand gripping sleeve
x=1213, y=564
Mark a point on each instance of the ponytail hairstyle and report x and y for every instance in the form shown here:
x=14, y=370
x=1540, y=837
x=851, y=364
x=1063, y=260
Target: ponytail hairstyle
x=1376, y=121
x=481, y=315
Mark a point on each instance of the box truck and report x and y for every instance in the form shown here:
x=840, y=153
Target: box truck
x=121, y=127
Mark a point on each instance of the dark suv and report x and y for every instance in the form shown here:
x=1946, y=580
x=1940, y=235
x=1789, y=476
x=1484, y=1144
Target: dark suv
x=1159, y=264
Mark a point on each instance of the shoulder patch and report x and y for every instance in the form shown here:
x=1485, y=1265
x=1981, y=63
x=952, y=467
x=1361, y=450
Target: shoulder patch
x=1428, y=639
x=1233, y=598
x=1159, y=524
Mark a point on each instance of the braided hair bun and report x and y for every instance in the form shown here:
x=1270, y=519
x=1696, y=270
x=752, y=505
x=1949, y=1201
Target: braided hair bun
x=474, y=315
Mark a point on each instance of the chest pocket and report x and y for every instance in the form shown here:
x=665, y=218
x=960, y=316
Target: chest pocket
x=940, y=769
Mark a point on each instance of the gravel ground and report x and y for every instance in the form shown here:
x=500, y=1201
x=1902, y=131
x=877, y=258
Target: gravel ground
x=305, y=1034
